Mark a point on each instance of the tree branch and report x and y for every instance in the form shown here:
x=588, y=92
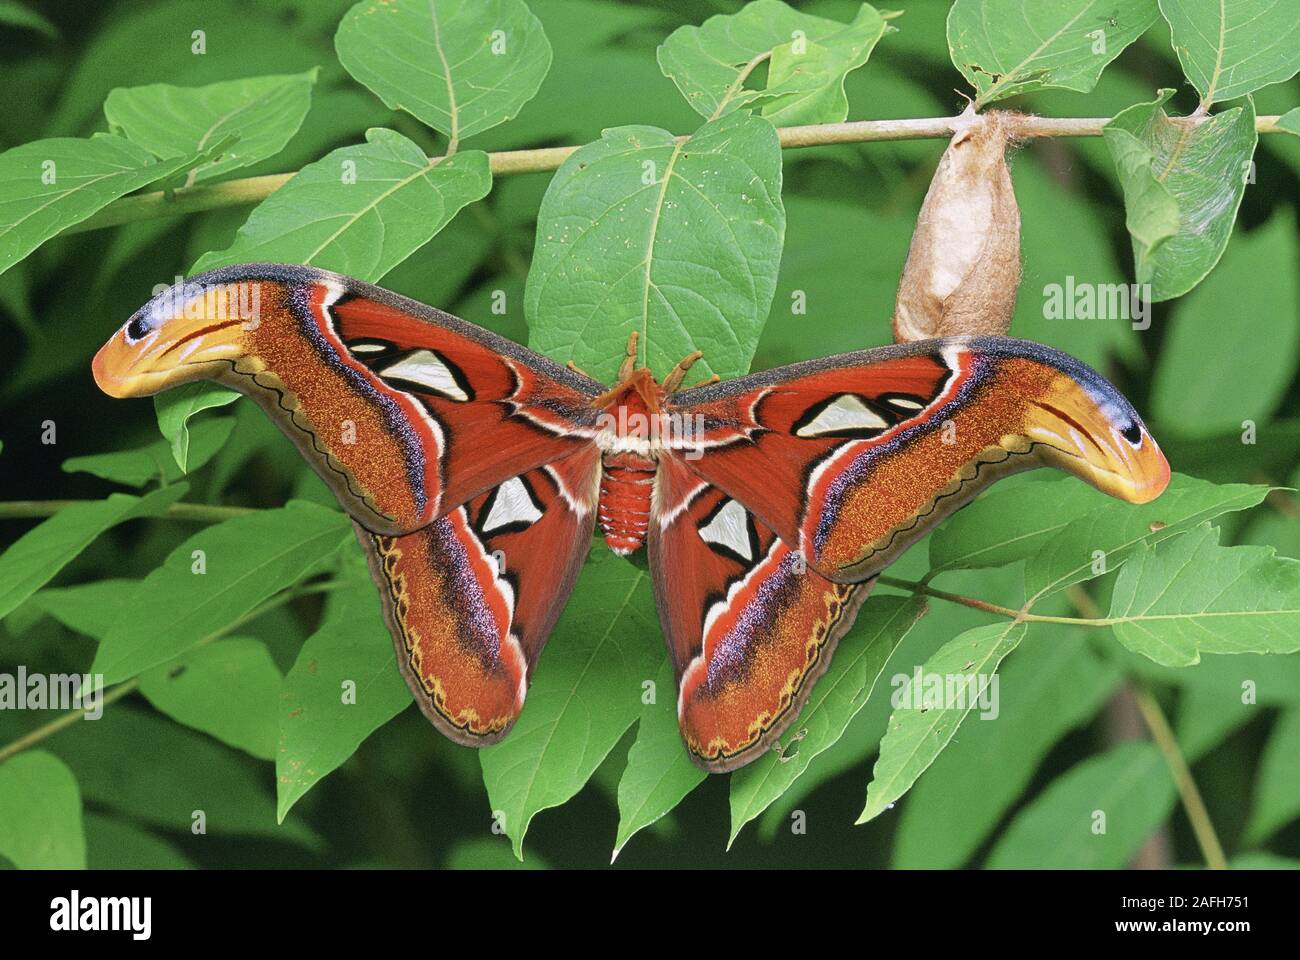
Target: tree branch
x=201, y=512
x=234, y=193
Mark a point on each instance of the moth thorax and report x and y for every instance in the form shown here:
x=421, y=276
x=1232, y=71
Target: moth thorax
x=624, y=511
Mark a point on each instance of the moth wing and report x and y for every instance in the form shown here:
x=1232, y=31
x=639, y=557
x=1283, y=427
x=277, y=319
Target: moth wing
x=853, y=458
x=406, y=412
x=749, y=626
x=471, y=598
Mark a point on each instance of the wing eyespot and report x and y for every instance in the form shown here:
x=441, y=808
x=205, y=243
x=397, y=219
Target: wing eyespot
x=136, y=329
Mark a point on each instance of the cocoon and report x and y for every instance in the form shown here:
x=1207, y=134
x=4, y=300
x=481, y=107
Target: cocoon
x=963, y=266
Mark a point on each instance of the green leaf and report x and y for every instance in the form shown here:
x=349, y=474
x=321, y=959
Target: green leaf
x=1230, y=49
x=1052, y=685
x=461, y=66
x=1006, y=47
x=807, y=60
x=244, y=561
x=14, y=14
x=1010, y=522
x=40, y=814
x=86, y=608
x=143, y=764
x=132, y=47
x=256, y=116
x=360, y=210
x=1189, y=595
x=157, y=461
x=228, y=689
x=586, y=693
x=1264, y=679
x=1071, y=555
x=173, y=408
x=1275, y=801
x=1061, y=829
x=919, y=729
x=677, y=240
x=35, y=557
x=844, y=690
x=659, y=773
x=319, y=726
x=48, y=185
x=856, y=750
x=1150, y=210
x=1202, y=166
x=1290, y=122
x=1264, y=339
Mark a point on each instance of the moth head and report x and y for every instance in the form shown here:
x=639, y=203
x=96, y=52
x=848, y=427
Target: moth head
x=1088, y=428
x=192, y=330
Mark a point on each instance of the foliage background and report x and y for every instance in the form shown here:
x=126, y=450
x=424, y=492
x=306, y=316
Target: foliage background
x=409, y=798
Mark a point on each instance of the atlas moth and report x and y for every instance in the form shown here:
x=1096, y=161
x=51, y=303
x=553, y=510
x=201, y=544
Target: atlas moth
x=479, y=471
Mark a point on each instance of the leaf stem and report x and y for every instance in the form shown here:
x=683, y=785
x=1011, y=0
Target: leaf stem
x=234, y=193
x=1193, y=804
x=200, y=512
x=60, y=723
x=977, y=604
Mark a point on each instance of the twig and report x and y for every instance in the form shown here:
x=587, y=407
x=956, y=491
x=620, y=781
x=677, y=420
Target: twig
x=233, y=193
x=201, y=512
x=1202, y=825
x=1158, y=726
x=67, y=720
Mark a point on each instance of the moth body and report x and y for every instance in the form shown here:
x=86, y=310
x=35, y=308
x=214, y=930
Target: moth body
x=631, y=431
x=624, y=509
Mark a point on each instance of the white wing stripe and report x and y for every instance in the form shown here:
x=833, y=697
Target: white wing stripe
x=845, y=412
